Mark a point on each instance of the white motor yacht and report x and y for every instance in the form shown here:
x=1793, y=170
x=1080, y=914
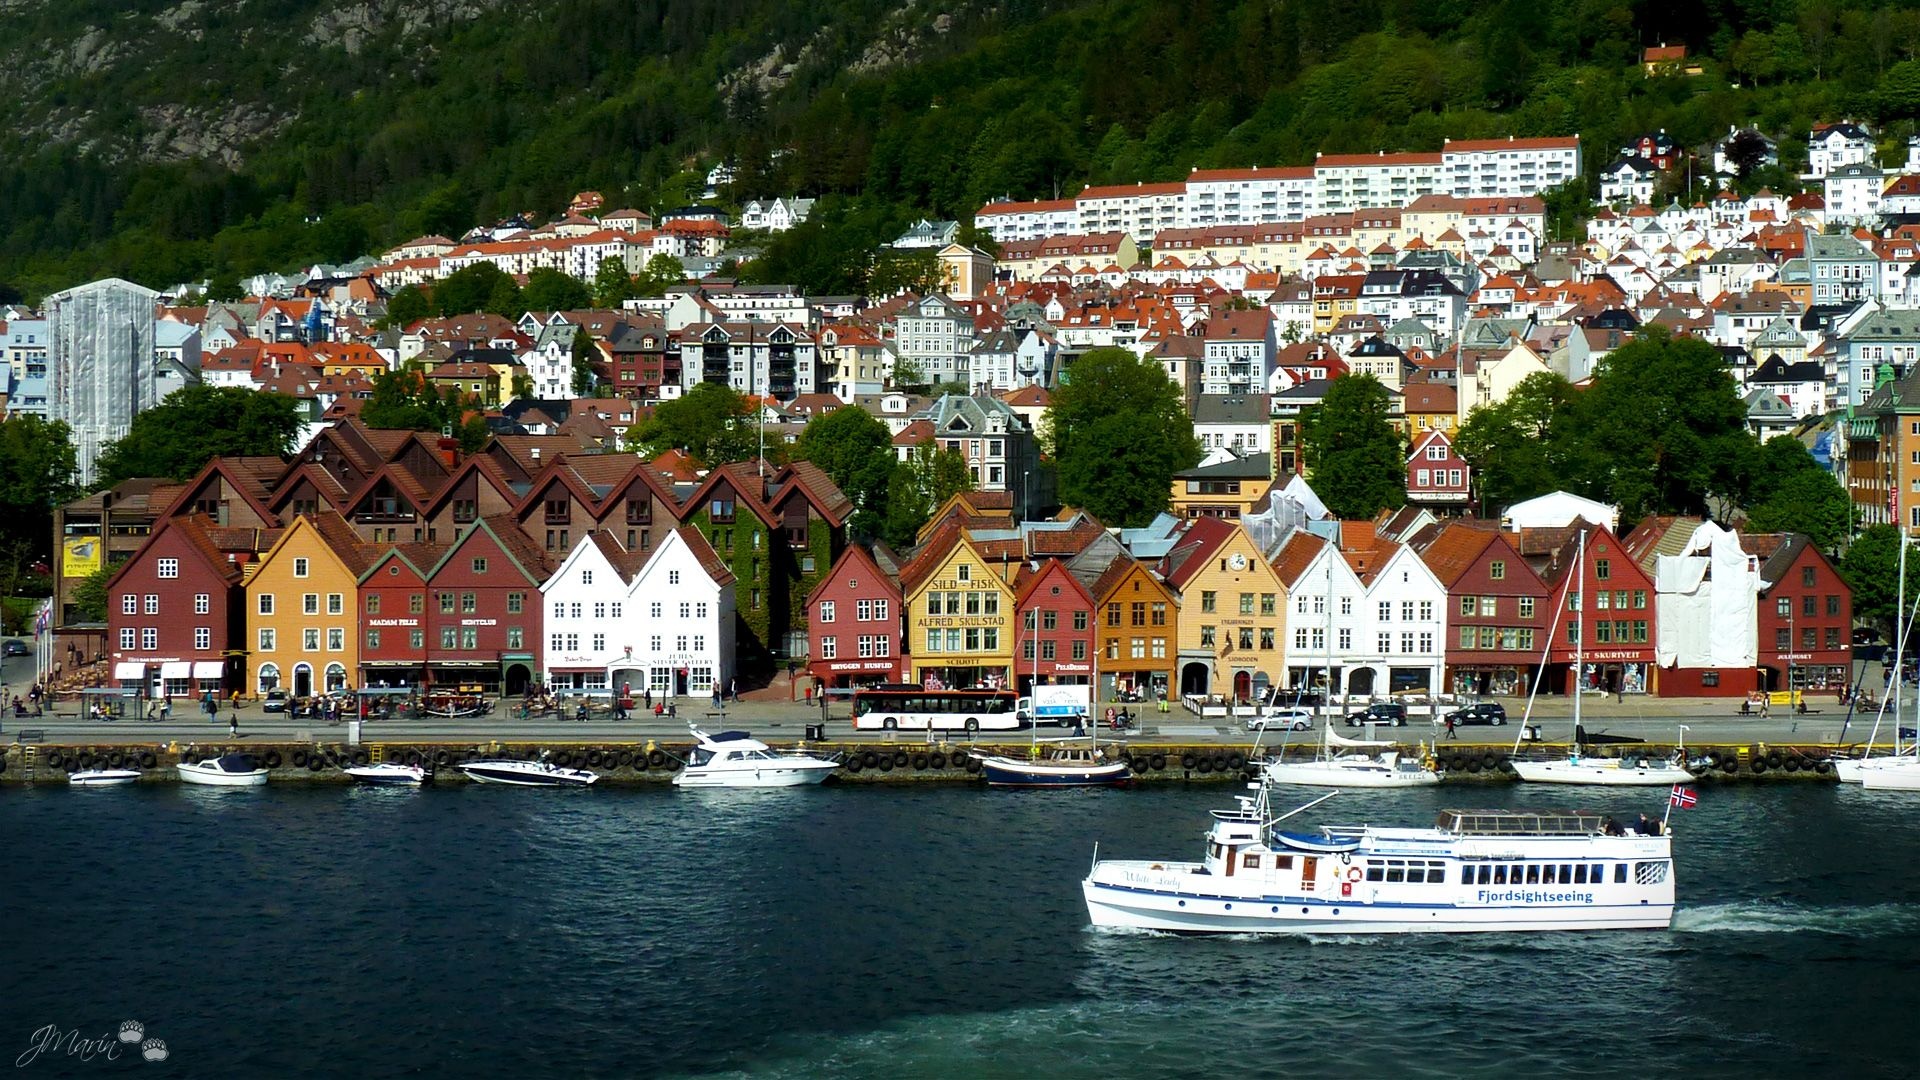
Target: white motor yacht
x=513, y=771
x=734, y=759
x=388, y=774
x=102, y=777
x=227, y=770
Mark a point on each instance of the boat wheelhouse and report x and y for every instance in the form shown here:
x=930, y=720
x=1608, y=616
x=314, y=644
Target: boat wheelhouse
x=1474, y=870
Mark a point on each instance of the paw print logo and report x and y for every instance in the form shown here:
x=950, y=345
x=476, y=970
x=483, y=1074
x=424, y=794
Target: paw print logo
x=154, y=1050
x=132, y=1032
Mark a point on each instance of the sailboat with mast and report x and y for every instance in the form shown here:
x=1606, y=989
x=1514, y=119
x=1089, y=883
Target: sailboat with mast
x=1577, y=767
x=1899, y=771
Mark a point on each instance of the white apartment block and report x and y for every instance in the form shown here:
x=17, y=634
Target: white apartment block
x=1335, y=183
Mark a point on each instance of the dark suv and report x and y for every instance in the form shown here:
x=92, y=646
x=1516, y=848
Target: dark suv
x=1383, y=712
x=1482, y=712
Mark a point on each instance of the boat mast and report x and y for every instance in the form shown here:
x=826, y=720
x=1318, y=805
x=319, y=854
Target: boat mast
x=1579, y=630
x=1900, y=630
x=1326, y=699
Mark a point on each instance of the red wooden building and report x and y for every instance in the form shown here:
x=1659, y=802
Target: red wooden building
x=483, y=615
x=1618, y=615
x=176, y=609
x=393, y=606
x=1056, y=628
x=854, y=619
x=1806, y=615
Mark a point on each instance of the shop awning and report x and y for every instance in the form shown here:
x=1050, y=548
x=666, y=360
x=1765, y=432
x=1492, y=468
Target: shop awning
x=129, y=669
x=176, y=669
x=207, y=669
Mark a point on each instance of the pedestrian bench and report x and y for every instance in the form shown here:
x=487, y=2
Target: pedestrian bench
x=30, y=735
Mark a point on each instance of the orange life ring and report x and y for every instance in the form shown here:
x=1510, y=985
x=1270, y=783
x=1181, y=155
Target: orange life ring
x=1353, y=874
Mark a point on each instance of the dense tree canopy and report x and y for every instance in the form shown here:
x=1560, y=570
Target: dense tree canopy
x=403, y=399
x=37, y=464
x=1521, y=447
x=712, y=422
x=550, y=290
x=194, y=425
x=1871, y=569
x=854, y=448
x=481, y=287
x=1356, y=458
x=1119, y=432
x=443, y=123
x=930, y=476
x=1789, y=492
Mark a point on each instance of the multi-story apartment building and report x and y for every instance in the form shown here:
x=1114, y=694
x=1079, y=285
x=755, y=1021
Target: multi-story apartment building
x=935, y=335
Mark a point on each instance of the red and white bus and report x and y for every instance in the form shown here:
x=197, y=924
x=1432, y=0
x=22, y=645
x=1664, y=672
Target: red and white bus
x=936, y=710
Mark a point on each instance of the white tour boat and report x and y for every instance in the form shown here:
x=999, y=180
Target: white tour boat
x=102, y=777
x=227, y=770
x=1474, y=870
x=1386, y=769
x=539, y=773
x=388, y=774
x=734, y=759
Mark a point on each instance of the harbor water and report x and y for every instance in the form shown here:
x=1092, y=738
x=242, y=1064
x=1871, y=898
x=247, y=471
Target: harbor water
x=933, y=931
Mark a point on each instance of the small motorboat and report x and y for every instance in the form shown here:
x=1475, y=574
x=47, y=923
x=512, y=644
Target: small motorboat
x=734, y=759
x=227, y=770
x=102, y=777
x=538, y=773
x=388, y=774
x=1062, y=766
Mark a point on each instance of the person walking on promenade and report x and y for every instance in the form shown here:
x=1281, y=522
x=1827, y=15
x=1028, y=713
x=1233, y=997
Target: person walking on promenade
x=233, y=725
x=1451, y=733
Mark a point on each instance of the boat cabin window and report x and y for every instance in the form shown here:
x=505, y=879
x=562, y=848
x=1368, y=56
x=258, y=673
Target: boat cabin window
x=1619, y=873
x=1396, y=871
x=1533, y=873
x=1376, y=872
x=1250, y=861
x=1283, y=862
x=1566, y=874
x=1500, y=874
x=1649, y=873
x=1580, y=874
x=1547, y=875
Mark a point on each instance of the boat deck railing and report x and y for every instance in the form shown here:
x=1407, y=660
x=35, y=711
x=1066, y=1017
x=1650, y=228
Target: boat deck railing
x=1521, y=822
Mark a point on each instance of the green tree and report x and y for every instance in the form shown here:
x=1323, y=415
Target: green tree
x=1518, y=448
x=908, y=375
x=930, y=476
x=586, y=364
x=1787, y=491
x=409, y=306
x=89, y=597
x=194, y=425
x=37, y=467
x=712, y=422
x=1662, y=428
x=224, y=288
x=661, y=273
x=1871, y=568
x=1356, y=459
x=404, y=400
x=1120, y=431
x=612, y=285
x=855, y=449
x=550, y=290
x=480, y=287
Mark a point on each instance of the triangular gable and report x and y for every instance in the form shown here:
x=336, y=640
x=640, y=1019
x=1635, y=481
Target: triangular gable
x=483, y=530
x=489, y=473
x=745, y=482
x=248, y=487
x=392, y=555
x=854, y=560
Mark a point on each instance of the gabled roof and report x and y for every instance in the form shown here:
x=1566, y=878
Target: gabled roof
x=854, y=559
x=1193, y=547
x=507, y=535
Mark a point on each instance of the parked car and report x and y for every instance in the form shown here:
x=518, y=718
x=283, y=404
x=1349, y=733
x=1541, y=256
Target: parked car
x=1381, y=712
x=1482, y=712
x=1289, y=718
x=275, y=701
x=15, y=647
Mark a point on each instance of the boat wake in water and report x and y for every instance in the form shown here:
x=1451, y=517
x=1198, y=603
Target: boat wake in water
x=1775, y=917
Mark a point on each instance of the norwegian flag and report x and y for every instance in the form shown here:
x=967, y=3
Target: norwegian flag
x=1682, y=797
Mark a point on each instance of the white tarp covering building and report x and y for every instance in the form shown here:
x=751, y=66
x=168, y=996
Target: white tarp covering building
x=1706, y=603
x=1557, y=510
x=101, y=366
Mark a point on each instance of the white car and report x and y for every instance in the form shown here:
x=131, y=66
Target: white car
x=1288, y=718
